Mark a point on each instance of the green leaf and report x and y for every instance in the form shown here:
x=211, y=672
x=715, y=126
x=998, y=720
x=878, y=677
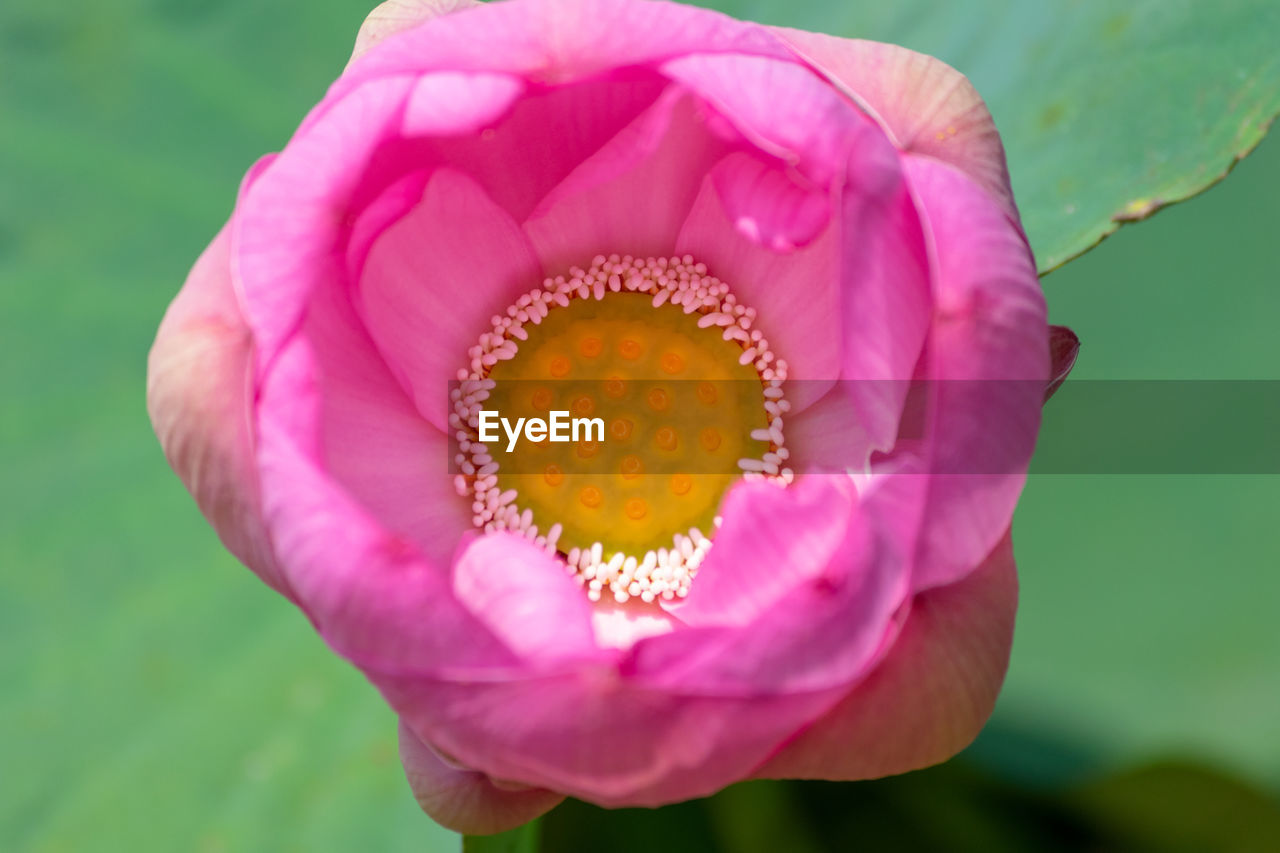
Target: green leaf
x=522, y=839
x=1177, y=806
x=1109, y=111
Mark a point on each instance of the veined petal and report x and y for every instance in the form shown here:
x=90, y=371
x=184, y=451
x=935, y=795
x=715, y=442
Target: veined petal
x=593, y=735
x=205, y=426
x=925, y=105
x=464, y=800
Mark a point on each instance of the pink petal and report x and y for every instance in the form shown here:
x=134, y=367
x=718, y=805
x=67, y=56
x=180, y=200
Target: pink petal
x=373, y=442
x=879, y=306
x=926, y=106
x=779, y=107
x=932, y=693
x=364, y=586
x=988, y=364
x=559, y=40
x=434, y=278
x=450, y=102
x=350, y=154
x=393, y=203
x=885, y=310
x=525, y=596
x=640, y=733
x=464, y=800
x=292, y=225
x=830, y=436
x=852, y=304
x=631, y=196
x=199, y=375
x=803, y=587
x=295, y=221
x=595, y=736
x=771, y=541
x=547, y=134
x=769, y=207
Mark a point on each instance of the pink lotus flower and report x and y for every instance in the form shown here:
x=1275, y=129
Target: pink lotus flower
x=834, y=209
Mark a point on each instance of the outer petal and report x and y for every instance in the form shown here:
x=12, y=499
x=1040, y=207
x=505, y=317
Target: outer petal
x=378, y=598
x=558, y=40
x=932, y=693
x=395, y=16
x=464, y=800
x=925, y=105
x=291, y=225
x=199, y=373
x=595, y=735
x=987, y=364
x=301, y=216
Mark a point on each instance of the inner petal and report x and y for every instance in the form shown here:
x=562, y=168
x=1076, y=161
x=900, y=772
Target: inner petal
x=605, y=414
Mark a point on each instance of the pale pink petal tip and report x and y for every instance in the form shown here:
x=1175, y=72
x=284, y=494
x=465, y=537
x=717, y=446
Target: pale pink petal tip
x=204, y=427
x=924, y=105
x=396, y=16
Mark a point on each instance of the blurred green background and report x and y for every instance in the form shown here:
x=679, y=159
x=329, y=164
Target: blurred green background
x=155, y=696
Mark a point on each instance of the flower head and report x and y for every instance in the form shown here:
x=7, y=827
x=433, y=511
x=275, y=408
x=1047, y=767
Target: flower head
x=784, y=273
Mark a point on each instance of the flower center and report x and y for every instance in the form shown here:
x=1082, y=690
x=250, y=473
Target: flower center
x=664, y=392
